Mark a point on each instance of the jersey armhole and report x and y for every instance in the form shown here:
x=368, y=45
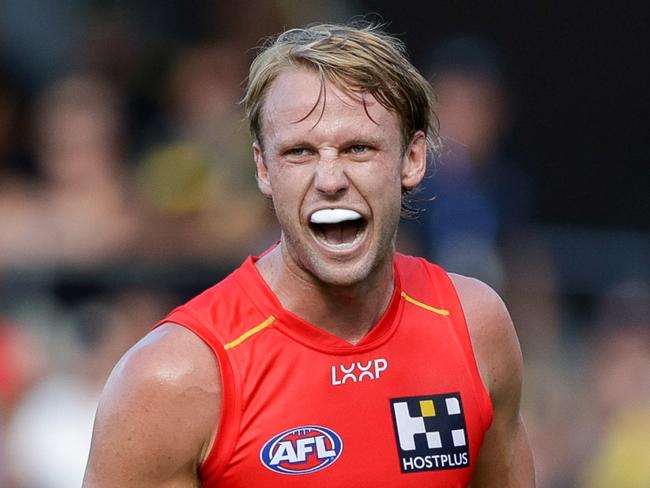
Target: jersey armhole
x=486, y=408
x=221, y=451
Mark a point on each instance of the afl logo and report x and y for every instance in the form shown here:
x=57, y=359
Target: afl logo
x=301, y=450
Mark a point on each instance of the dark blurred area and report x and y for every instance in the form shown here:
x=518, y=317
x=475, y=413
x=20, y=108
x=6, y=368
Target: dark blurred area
x=127, y=186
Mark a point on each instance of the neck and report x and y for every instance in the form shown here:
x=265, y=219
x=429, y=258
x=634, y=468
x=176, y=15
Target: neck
x=348, y=312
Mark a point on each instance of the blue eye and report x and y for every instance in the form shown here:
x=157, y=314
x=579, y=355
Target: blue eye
x=358, y=148
x=298, y=151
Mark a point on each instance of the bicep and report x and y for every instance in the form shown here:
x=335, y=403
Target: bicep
x=131, y=447
x=152, y=426
x=505, y=459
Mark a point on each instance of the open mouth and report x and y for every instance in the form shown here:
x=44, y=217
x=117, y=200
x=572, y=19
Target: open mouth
x=337, y=228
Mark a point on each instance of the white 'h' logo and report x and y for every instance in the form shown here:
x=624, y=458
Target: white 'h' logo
x=408, y=426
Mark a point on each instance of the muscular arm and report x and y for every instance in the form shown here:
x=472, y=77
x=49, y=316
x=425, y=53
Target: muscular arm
x=157, y=416
x=505, y=459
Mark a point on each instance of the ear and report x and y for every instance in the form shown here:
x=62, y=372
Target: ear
x=414, y=161
x=263, y=180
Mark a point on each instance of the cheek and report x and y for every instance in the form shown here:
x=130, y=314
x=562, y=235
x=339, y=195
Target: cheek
x=378, y=181
x=288, y=186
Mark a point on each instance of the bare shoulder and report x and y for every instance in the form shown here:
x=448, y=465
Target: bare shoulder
x=171, y=355
x=170, y=361
x=157, y=414
x=492, y=332
x=482, y=305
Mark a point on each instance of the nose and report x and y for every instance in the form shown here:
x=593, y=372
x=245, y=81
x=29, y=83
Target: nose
x=330, y=178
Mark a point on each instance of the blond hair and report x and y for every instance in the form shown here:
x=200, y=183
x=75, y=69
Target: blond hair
x=357, y=59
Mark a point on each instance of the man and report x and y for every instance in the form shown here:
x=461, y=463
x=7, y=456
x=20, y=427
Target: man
x=330, y=360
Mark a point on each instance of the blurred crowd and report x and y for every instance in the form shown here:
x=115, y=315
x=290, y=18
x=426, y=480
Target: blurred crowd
x=122, y=144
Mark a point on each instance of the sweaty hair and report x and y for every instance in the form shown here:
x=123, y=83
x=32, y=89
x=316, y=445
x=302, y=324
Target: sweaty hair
x=357, y=59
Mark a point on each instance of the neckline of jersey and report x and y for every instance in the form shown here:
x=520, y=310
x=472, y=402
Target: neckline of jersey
x=308, y=334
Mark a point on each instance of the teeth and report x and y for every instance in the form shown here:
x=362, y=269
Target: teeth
x=334, y=216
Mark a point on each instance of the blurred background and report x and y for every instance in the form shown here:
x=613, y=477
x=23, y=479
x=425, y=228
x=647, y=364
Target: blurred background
x=127, y=186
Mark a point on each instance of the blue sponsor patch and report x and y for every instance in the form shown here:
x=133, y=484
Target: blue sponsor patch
x=302, y=450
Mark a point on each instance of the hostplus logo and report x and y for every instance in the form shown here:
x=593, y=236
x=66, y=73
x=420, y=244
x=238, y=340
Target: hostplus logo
x=430, y=432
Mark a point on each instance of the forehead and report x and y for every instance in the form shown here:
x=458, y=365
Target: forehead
x=299, y=101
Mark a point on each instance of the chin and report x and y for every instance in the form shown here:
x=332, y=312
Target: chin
x=339, y=269
x=343, y=273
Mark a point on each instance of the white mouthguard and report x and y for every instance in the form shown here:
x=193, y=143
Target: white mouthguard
x=333, y=216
